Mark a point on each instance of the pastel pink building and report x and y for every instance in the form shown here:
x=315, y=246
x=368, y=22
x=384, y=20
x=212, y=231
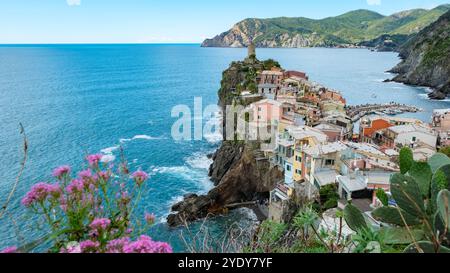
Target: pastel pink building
x=271, y=112
x=266, y=112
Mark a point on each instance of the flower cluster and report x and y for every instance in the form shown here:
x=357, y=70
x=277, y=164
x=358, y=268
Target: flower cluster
x=139, y=177
x=94, y=160
x=144, y=244
x=94, y=212
x=61, y=171
x=40, y=192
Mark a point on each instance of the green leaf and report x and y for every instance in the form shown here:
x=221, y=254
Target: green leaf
x=401, y=236
x=391, y=215
x=443, y=207
x=446, y=172
x=373, y=247
x=426, y=247
x=406, y=159
x=437, y=161
x=407, y=195
x=421, y=172
x=383, y=197
x=354, y=218
x=438, y=183
x=439, y=228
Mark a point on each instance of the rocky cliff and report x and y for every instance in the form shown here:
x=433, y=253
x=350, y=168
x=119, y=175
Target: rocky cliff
x=426, y=59
x=348, y=29
x=237, y=170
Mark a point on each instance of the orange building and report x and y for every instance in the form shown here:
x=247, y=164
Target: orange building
x=369, y=126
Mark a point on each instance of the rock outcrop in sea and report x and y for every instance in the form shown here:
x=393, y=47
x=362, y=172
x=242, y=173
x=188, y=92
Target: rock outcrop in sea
x=426, y=59
x=236, y=171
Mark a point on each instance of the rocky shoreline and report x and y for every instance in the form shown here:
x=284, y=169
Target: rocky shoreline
x=238, y=177
x=426, y=59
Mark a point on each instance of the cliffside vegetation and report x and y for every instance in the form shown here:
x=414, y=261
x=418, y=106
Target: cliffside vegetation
x=352, y=28
x=426, y=58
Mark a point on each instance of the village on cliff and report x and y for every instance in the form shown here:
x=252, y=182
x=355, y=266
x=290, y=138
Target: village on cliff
x=317, y=147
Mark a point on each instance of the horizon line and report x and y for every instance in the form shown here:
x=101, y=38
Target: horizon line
x=99, y=43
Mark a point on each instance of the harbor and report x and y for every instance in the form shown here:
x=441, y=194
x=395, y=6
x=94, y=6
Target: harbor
x=359, y=111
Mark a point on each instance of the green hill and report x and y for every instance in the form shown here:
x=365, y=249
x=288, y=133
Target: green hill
x=351, y=28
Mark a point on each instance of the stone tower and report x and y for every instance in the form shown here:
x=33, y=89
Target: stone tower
x=251, y=50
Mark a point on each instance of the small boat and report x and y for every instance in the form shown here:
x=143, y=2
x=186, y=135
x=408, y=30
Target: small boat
x=374, y=96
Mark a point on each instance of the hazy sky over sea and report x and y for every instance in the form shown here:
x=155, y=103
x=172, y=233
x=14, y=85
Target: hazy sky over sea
x=160, y=21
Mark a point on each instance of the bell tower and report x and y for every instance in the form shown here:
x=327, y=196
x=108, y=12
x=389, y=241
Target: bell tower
x=251, y=50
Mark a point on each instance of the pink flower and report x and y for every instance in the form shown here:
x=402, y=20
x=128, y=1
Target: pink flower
x=146, y=245
x=85, y=174
x=71, y=249
x=103, y=175
x=117, y=245
x=54, y=190
x=139, y=177
x=100, y=224
x=61, y=171
x=11, y=249
x=149, y=218
x=89, y=246
x=161, y=247
x=94, y=159
x=76, y=186
x=40, y=192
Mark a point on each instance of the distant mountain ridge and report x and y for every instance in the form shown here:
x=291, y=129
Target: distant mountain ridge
x=426, y=58
x=352, y=28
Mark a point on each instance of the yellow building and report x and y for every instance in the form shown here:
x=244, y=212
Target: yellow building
x=304, y=137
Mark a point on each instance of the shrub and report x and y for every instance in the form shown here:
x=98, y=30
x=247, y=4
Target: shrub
x=328, y=197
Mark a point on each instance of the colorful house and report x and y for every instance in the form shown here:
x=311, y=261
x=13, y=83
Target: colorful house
x=321, y=162
x=368, y=127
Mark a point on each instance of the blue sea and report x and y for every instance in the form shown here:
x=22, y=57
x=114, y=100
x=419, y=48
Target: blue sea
x=79, y=99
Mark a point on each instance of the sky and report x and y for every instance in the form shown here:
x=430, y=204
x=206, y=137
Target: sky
x=161, y=21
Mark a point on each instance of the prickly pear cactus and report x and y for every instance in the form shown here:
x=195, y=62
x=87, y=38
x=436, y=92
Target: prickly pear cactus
x=420, y=216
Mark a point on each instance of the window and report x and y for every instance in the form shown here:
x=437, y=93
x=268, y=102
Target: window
x=299, y=172
x=259, y=117
x=288, y=168
x=298, y=158
x=329, y=162
x=414, y=138
x=259, y=109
